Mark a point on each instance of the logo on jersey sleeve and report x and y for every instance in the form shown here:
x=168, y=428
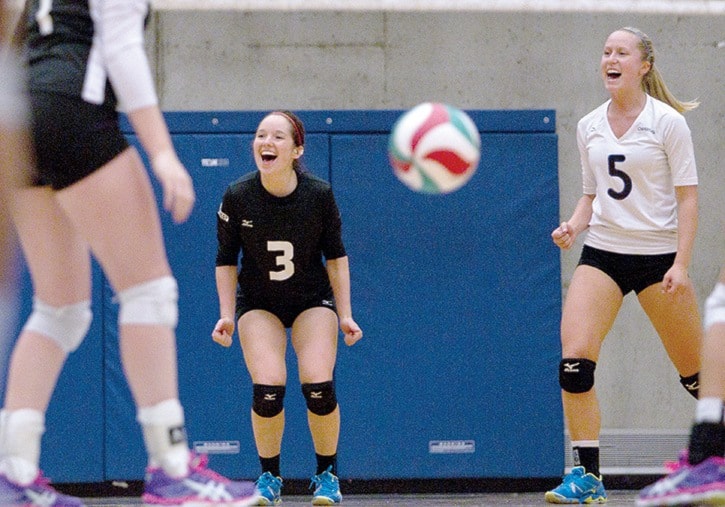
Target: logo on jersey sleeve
x=223, y=216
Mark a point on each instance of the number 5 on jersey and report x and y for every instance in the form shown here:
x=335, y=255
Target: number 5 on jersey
x=618, y=173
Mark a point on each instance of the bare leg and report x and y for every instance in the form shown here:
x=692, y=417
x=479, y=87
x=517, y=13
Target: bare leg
x=314, y=337
x=592, y=303
x=58, y=281
x=676, y=319
x=129, y=245
x=264, y=342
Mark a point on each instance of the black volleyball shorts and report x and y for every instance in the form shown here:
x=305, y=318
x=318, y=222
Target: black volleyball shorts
x=72, y=137
x=286, y=312
x=630, y=272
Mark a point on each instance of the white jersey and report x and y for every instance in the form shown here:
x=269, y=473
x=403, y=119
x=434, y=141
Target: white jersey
x=634, y=177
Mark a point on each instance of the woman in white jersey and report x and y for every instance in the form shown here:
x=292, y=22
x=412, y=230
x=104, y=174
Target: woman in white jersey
x=92, y=195
x=639, y=209
x=700, y=476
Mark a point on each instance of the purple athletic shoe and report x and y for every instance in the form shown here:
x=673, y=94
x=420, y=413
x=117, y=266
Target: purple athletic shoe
x=699, y=484
x=202, y=487
x=38, y=493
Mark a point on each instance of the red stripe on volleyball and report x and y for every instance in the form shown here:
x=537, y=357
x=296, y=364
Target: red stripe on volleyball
x=449, y=160
x=400, y=165
x=438, y=115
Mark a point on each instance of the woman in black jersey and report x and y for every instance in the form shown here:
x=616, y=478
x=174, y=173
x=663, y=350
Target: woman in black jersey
x=92, y=195
x=283, y=221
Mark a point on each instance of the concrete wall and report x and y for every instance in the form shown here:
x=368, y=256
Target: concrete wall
x=372, y=60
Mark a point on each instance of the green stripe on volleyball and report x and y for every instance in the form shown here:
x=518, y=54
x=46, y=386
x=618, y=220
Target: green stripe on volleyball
x=434, y=148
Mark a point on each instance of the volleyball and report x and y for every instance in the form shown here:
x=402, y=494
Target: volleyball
x=434, y=148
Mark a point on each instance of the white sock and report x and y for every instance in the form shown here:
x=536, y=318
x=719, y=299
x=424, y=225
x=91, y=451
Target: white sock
x=165, y=437
x=20, y=434
x=709, y=410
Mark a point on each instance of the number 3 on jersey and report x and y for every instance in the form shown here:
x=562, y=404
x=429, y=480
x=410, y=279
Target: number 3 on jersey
x=618, y=173
x=284, y=259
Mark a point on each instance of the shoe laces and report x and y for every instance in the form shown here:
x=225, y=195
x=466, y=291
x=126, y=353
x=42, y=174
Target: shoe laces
x=267, y=480
x=674, y=466
x=325, y=481
x=198, y=465
x=576, y=473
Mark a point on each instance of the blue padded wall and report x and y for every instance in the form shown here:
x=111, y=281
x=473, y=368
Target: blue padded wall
x=459, y=297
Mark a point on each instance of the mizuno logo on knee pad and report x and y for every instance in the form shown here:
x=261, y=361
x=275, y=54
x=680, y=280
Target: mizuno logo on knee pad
x=571, y=367
x=576, y=375
x=320, y=397
x=268, y=400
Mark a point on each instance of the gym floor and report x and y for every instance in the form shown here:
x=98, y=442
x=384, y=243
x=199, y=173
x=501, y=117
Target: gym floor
x=616, y=498
x=622, y=490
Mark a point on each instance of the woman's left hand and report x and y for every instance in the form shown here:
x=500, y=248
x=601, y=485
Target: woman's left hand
x=675, y=278
x=352, y=331
x=223, y=331
x=177, y=185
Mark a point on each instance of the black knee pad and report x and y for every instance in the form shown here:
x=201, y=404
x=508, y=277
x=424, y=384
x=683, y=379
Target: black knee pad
x=268, y=401
x=576, y=375
x=320, y=398
x=691, y=384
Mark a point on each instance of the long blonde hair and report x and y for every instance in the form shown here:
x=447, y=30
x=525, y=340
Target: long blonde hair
x=652, y=82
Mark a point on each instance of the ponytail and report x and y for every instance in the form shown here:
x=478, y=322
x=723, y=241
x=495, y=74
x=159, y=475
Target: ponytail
x=652, y=82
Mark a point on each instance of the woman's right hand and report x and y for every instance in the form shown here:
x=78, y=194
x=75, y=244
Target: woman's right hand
x=563, y=236
x=223, y=332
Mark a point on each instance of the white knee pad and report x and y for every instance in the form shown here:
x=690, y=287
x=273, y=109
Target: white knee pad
x=150, y=303
x=65, y=325
x=715, y=306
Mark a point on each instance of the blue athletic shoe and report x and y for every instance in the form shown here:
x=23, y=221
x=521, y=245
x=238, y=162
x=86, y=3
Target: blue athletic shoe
x=703, y=483
x=578, y=487
x=327, y=488
x=270, y=489
x=38, y=493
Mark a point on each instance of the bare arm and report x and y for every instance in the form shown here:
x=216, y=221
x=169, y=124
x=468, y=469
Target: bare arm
x=119, y=26
x=178, y=188
x=339, y=272
x=687, y=204
x=226, y=286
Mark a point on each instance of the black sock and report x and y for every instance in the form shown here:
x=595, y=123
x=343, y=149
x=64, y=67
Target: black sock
x=691, y=384
x=588, y=457
x=324, y=462
x=270, y=465
x=707, y=439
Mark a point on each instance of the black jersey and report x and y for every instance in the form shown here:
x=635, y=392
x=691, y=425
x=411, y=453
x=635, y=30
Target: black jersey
x=67, y=50
x=281, y=239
